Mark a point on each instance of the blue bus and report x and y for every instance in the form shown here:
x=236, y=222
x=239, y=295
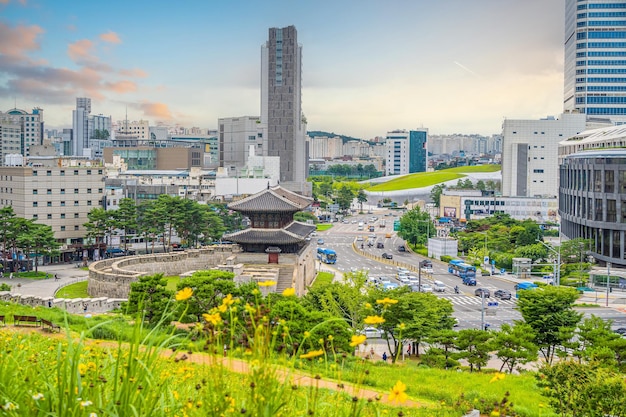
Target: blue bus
x=328, y=256
x=523, y=286
x=461, y=269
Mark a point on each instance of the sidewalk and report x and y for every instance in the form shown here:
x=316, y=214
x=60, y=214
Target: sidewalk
x=67, y=273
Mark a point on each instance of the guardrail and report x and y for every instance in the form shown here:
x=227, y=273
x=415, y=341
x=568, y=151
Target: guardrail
x=392, y=262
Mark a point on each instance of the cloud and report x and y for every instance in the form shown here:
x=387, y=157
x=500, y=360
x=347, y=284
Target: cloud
x=135, y=72
x=80, y=51
x=20, y=40
x=155, y=110
x=110, y=37
x=123, y=86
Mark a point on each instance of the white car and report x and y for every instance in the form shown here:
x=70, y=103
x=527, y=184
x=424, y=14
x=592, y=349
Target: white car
x=427, y=288
x=372, y=333
x=413, y=281
x=359, y=238
x=403, y=279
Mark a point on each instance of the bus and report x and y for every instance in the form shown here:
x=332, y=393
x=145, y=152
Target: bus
x=328, y=256
x=461, y=269
x=523, y=286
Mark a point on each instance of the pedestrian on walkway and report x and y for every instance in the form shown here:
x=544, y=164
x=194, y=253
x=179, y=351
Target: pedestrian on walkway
x=85, y=307
x=372, y=353
x=56, y=277
x=47, y=275
x=384, y=356
x=11, y=276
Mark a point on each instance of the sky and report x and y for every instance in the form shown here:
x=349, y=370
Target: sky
x=369, y=66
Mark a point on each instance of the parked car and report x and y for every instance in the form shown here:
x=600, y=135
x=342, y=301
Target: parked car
x=502, y=294
x=388, y=235
x=482, y=292
x=372, y=333
x=387, y=256
x=359, y=238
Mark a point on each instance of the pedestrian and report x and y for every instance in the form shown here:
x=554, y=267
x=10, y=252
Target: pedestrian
x=384, y=356
x=56, y=277
x=50, y=303
x=408, y=351
x=11, y=275
x=47, y=275
x=372, y=353
x=85, y=307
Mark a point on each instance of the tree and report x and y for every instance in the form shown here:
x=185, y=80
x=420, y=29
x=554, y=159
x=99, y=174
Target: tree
x=443, y=341
x=125, y=217
x=551, y=315
x=416, y=226
x=594, y=334
x=150, y=296
x=514, y=345
x=480, y=185
x=7, y=219
x=345, y=197
x=43, y=241
x=100, y=223
x=361, y=197
x=474, y=346
x=435, y=193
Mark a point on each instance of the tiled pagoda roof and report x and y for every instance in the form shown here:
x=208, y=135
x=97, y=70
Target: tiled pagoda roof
x=276, y=199
x=295, y=232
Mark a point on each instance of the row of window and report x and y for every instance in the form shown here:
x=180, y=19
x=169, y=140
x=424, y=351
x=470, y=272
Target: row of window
x=601, y=45
x=62, y=191
x=593, y=209
x=601, y=35
x=582, y=63
x=62, y=203
x=600, y=14
x=601, y=6
x=61, y=216
x=62, y=172
x=601, y=88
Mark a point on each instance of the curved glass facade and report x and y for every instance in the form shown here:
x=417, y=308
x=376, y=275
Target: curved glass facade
x=592, y=201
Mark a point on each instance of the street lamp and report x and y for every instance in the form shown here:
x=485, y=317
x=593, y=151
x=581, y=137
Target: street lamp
x=557, y=264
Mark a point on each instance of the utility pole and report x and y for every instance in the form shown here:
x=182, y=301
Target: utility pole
x=482, y=310
x=608, y=281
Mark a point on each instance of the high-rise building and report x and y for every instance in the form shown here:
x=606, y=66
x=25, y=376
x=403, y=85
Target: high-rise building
x=281, y=105
x=236, y=134
x=19, y=130
x=80, y=125
x=406, y=151
x=595, y=58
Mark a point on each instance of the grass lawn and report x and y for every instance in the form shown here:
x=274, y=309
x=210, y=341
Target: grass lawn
x=324, y=226
x=78, y=290
x=323, y=278
x=418, y=180
x=474, y=168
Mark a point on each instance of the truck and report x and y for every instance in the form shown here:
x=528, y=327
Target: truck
x=382, y=223
x=360, y=225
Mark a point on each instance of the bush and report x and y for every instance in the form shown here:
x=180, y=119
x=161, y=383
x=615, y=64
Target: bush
x=104, y=332
x=445, y=258
x=5, y=287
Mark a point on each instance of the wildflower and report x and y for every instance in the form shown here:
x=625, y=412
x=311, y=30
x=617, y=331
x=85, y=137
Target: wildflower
x=184, y=294
x=93, y=415
x=312, y=354
x=497, y=377
x=494, y=413
x=321, y=341
x=249, y=309
x=307, y=335
x=228, y=300
x=267, y=283
x=398, y=394
x=357, y=340
x=330, y=337
x=85, y=403
x=401, y=326
x=38, y=396
x=374, y=320
x=288, y=292
x=368, y=305
x=214, y=319
x=387, y=301
x=82, y=369
x=9, y=406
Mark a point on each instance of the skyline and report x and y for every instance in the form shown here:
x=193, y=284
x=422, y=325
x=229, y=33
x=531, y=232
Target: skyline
x=450, y=66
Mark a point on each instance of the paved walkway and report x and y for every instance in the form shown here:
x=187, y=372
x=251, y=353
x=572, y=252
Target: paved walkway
x=67, y=274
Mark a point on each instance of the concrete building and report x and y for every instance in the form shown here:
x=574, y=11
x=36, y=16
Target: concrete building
x=19, y=130
x=80, y=125
x=156, y=158
x=322, y=147
x=595, y=58
x=139, y=129
x=281, y=106
x=236, y=134
x=530, y=152
x=56, y=191
x=406, y=151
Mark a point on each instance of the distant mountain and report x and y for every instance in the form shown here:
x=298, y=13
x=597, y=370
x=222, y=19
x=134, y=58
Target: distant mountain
x=344, y=139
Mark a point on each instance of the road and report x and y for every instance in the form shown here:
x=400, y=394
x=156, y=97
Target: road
x=469, y=309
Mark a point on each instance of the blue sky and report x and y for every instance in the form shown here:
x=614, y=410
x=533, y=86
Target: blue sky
x=452, y=66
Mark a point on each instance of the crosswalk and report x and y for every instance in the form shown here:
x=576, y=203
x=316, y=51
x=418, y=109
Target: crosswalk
x=466, y=300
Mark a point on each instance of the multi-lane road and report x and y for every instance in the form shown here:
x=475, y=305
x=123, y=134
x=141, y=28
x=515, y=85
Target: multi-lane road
x=470, y=310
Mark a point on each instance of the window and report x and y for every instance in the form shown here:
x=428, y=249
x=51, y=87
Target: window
x=48, y=173
x=49, y=216
x=35, y=191
x=62, y=173
x=34, y=173
x=99, y=190
x=75, y=227
x=63, y=228
x=35, y=216
x=76, y=215
x=75, y=172
x=75, y=202
x=75, y=190
x=88, y=190
x=62, y=190
x=62, y=203
x=49, y=204
x=62, y=215
x=88, y=202
x=35, y=204
x=99, y=172
x=88, y=172
x=49, y=191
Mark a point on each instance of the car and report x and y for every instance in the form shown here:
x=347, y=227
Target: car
x=403, y=279
x=345, y=221
x=387, y=256
x=427, y=288
x=621, y=331
x=380, y=245
x=482, y=292
x=372, y=236
x=320, y=241
x=401, y=248
x=502, y=294
x=439, y=286
x=359, y=238
x=313, y=234
x=388, y=235
x=372, y=333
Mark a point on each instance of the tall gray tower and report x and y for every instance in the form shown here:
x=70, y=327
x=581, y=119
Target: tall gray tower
x=281, y=105
x=80, y=125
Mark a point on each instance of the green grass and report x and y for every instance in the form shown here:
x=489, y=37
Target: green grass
x=324, y=226
x=419, y=180
x=78, y=290
x=474, y=168
x=323, y=278
x=30, y=275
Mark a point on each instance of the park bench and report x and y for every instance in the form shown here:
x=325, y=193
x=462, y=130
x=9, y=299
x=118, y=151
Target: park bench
x=48, y=325
x=23, y=320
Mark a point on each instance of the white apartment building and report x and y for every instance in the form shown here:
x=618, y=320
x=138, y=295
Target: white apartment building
x=397, y=144
x=356, y=148
x=530, y=153
x=325, y=147
x=19, y=130
x=235, y=135
x=56, y=191
x=139, y=129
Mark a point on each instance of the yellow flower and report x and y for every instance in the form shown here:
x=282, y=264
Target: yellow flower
x=288, y=292
x=357, y=340
x=387, y=301
x=267, y=283
x=223, y=308
x=184, y=294
x=398, y=394
x=228, y=300
x=497, y=377
x=368, y=305
x=374, y=320
x=82, y=369
x=401, y=326
x=312, y=354
x=330, y=337
x=494, y=413
x=307, y=335
x=214, y=319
